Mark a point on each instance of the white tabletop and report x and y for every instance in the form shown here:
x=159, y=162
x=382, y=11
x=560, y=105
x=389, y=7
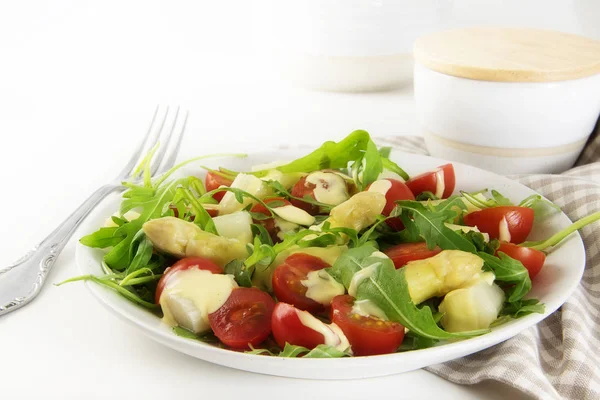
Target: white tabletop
x=78, y=86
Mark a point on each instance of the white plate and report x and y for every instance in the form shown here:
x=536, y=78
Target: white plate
x=559, y=277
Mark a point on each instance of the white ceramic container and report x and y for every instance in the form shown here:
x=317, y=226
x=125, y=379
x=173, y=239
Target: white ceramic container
x=351, y=45
x=507, y=100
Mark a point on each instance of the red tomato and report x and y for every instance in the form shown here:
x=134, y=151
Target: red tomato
x=244, y=319
x=214, y=181
x=398, y=191
x=404, y=252
x=519, y=221
x=288, y=328
x=531, y=259
x=182, y=265
x=287, y=278
x=269, y=223
x=301, y=189
x=368, y=336
x=427, y=182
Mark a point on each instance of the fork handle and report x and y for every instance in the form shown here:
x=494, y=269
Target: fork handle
x=37, y=263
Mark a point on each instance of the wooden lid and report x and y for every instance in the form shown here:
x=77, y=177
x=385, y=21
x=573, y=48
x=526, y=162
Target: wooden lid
x=509, y=54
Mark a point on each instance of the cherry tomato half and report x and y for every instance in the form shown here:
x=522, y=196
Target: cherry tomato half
x=402, y=253
x=269, y=223
x=244, y=319
x=397, y=191
x=288, y=327
x=531, y=259
x=329, y=180
x=288, y=277
x=519, y=221
x=427, y=182
x=367, y=335
x=182, y=265
x=214, y=181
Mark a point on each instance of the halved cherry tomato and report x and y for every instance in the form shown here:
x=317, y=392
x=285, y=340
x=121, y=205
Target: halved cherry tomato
x=303, y=188
x=398, y=191
x=531, y=259
x=404, y=252
x=214, y=181
x=427, y=182
x=269, y=223
x=288, y=328
x=182, y=265
x=288, y=277
x=367, y=335
x=244, y=319
x=519, y=221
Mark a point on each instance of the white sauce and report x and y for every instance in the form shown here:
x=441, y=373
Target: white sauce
x=503, y=232
x=381, y=186
x=332, y=334
x=330, y=188
x=321, y=287
x=440, y=185
x=294, y=214
x=360, y=276
x=367, y=308
x=190, y=295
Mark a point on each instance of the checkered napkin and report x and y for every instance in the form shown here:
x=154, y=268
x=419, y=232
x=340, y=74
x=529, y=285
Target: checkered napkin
x=560, y=356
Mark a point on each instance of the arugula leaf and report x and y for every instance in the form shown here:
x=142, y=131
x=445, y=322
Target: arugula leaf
x=540, y=206
x=390, y=165
x=241, y=274
x=563, y=234
x=510, y=271
x=260, y=231
x=108, y=281
x=395, y=168
x=480, y=244
x=140, y=252
x=416, y=342
x=331, y=155
x=387, y=288
x=208, y=337
x=102, y=238
x=202, y=217
x=373, y=165
x=500, y=200
x=430, y=224
x=524, y=307
x=385, y=151
x=424, y=196
x=293, y=351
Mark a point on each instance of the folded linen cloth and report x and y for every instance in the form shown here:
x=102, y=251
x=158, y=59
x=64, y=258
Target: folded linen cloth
x=560, y=356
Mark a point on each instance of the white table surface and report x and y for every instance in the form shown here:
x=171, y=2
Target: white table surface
x=78, y=84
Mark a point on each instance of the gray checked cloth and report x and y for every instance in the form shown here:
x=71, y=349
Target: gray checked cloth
x=560, y=356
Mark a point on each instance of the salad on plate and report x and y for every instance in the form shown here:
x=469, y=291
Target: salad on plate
x=337, y=253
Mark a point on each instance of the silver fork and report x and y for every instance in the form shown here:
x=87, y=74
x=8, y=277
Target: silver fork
x=22, y=281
